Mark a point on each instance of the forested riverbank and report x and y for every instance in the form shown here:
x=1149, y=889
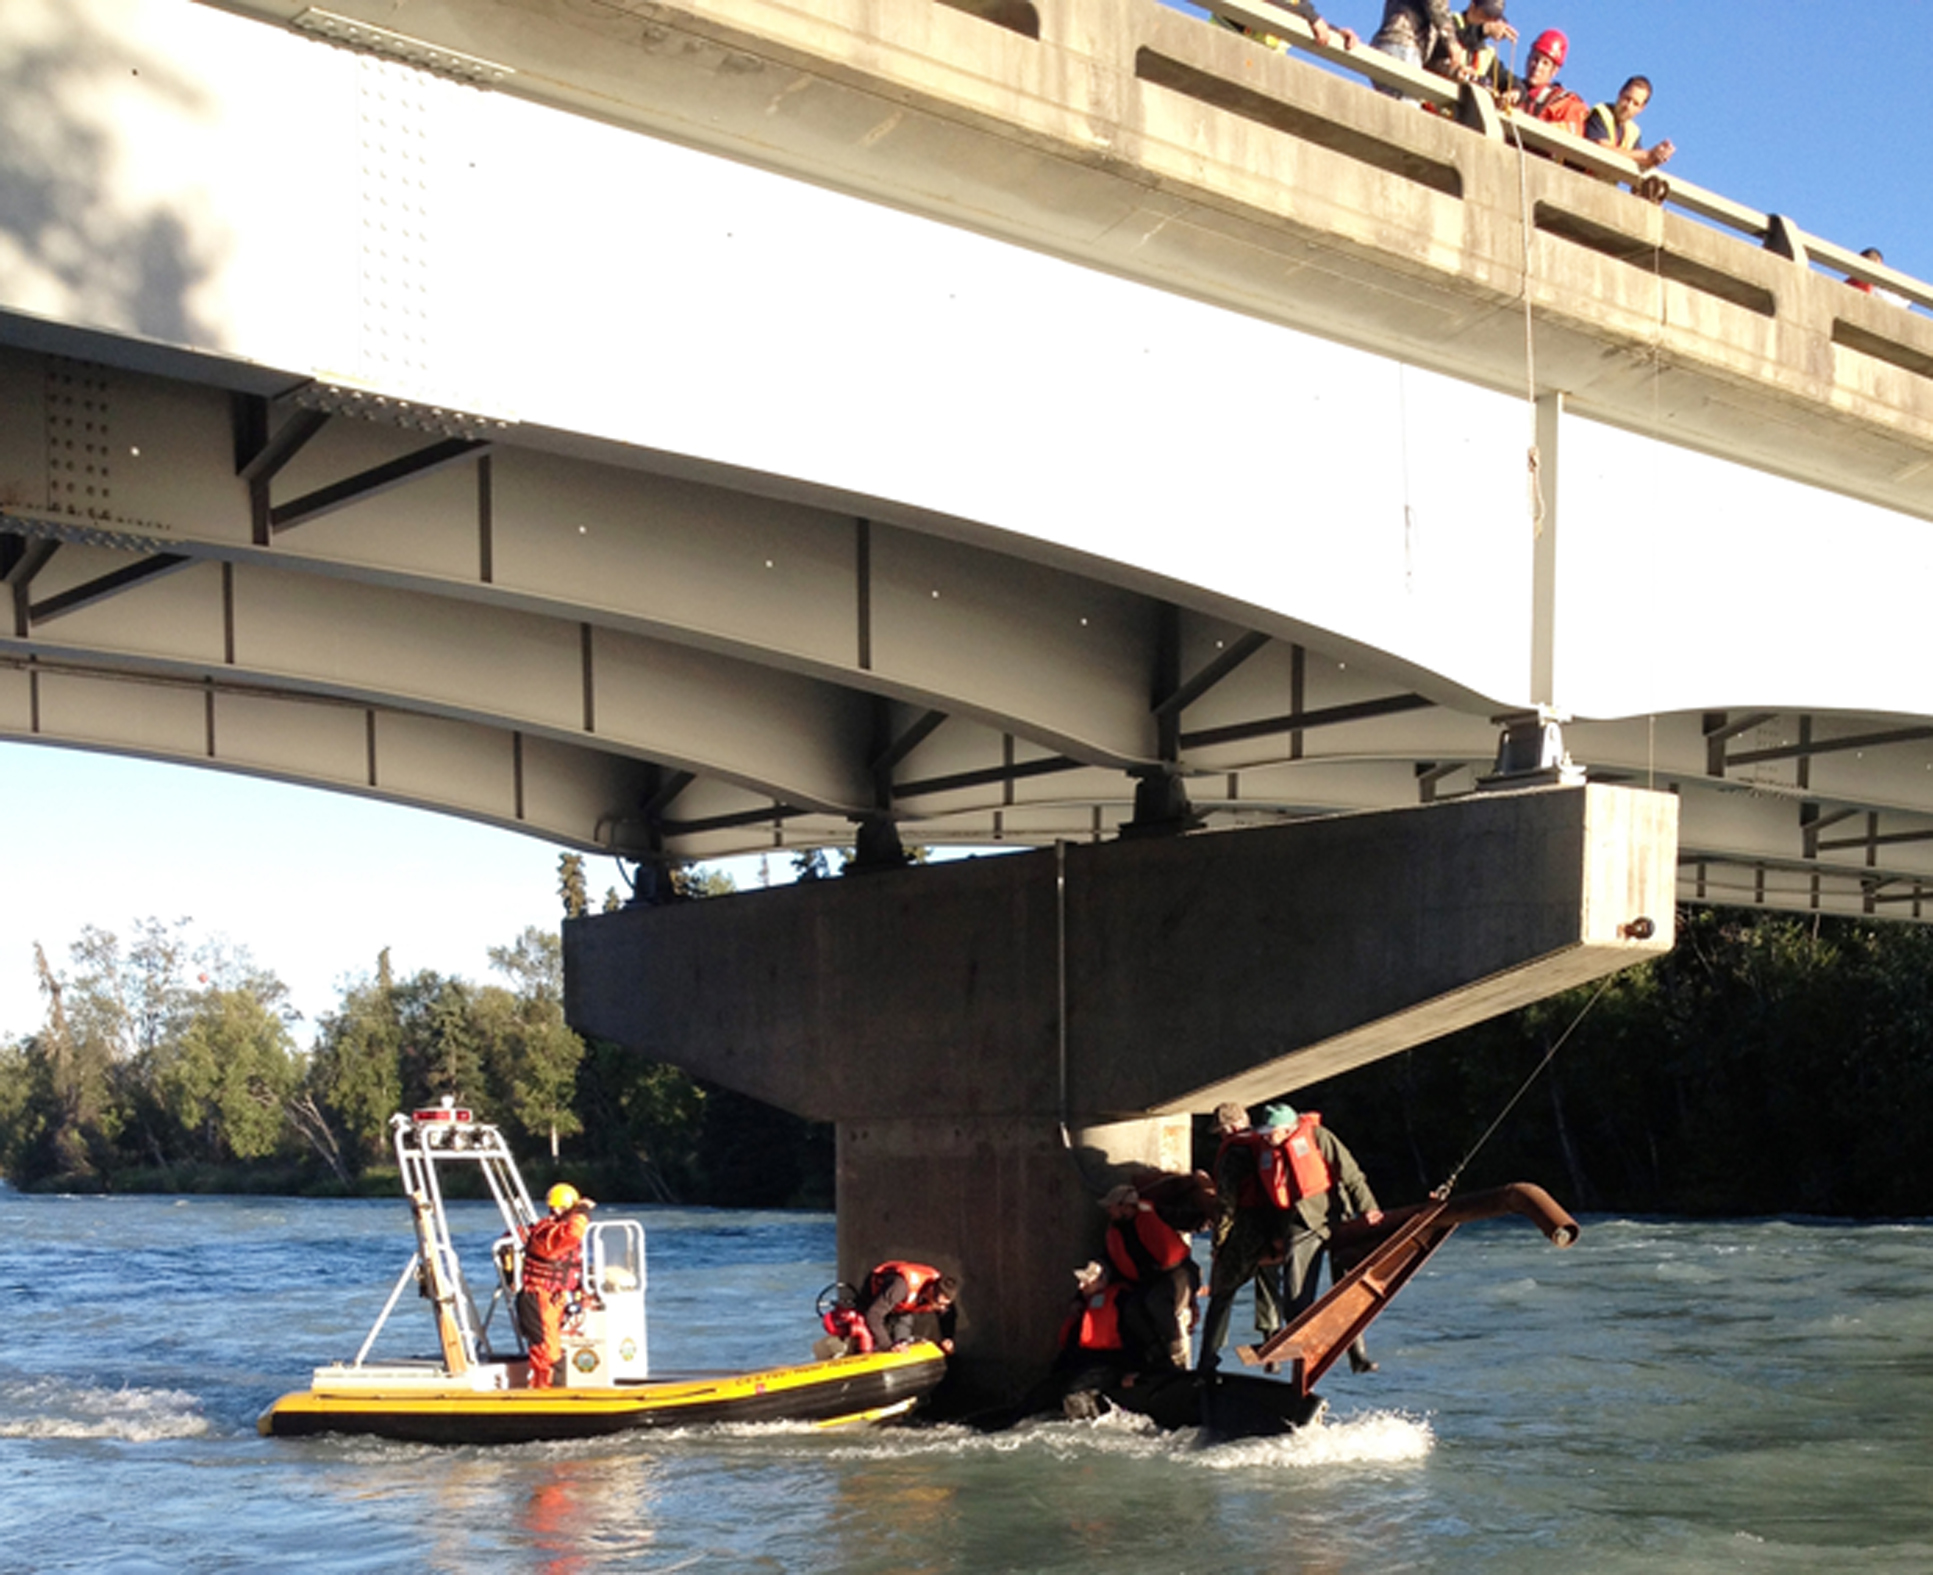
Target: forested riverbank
x=1770, y=1064
x=171, y=1063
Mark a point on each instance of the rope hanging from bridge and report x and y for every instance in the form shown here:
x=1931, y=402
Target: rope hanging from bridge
x=1533, y=457
x=1450, y=1181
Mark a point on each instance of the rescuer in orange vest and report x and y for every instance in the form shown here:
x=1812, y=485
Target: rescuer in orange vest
x=1317, y=1184
x=1093, y=1350
x=552, y=1269
x=1248, y=1227
x=1541, y=95
x=1153, y=1256
x=898, y=1291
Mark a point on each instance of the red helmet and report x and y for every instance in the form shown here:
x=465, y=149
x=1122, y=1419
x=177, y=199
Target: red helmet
x=1553, y=43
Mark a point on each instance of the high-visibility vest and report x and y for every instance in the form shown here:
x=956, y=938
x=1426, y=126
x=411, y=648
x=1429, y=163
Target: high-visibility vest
x=1624, y=138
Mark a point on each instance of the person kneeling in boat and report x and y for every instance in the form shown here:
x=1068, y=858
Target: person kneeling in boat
x=1093, y=1351
x=553, y=1269
x=1153, y=1256
x=897, y=1292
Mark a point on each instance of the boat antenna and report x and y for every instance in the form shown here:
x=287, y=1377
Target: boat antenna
x=1449, y=1184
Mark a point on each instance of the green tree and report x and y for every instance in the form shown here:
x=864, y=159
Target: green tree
x=74, y=1086
x=226, y=1076
x=530, y=1053
x=442, y=1047
x=1765, y=1065
x=641, y=1120
x=24, y=1107
x=125, y=1002
x=534, y=965
x=698, y=880
x=570, y=885
x=752, y=1155
x=356, y=1070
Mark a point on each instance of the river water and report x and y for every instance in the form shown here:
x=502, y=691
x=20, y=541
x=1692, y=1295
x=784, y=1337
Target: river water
x=1663, y=1396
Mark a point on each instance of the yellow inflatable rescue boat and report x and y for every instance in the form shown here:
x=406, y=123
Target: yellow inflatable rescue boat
x=473, y=1394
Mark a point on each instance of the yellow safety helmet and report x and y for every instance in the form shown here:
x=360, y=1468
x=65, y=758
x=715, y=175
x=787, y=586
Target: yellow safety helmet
x=561, y=1197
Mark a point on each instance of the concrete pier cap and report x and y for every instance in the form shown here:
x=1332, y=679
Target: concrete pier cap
x=999, y=1039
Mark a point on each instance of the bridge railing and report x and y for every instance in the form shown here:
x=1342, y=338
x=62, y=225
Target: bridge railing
x=1474, y=108
x=1187, y=118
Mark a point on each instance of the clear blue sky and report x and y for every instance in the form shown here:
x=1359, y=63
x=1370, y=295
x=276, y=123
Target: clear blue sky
x=1792, y=106
x=315, y=884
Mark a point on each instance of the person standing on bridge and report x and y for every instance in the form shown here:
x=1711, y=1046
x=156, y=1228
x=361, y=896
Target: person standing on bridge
x=1329, y=37
x=1415, y=31
x=1615, y=125
x=1317, y=1183
x=1479, y=29
x=1541, y=96
x=1248, y=1229
x=1154, y=1257
x=553, y=1259
x=1873, y=254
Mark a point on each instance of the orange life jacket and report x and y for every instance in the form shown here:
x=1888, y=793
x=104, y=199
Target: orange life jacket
x=1296, y=1169
x=551, y=1254
x=1148, y=1247
x=1097, y=1322
x=917, y=1275
x=1557, y=105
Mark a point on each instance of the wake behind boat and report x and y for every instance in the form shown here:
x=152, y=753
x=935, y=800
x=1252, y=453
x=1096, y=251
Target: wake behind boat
x=473, y=1394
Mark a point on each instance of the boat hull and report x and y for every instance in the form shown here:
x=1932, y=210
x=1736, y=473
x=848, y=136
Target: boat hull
x=1223, y=1405
x=846, y=1390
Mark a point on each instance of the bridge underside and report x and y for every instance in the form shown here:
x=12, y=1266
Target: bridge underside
x=629, y=653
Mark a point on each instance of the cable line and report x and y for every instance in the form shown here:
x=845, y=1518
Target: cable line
x=1449, y=1184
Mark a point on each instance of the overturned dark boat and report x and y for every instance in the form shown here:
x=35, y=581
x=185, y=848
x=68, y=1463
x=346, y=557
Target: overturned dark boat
x=474, y=1394
x=1221, y=1405
x=1373, y=1263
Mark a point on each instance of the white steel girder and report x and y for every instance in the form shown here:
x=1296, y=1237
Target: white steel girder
x=621, y=652
x=227, y=551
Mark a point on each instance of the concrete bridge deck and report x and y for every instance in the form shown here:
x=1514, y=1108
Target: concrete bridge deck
x=553, y=568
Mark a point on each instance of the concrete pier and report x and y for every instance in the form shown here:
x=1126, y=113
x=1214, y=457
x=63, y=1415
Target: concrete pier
x=998, y=1039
